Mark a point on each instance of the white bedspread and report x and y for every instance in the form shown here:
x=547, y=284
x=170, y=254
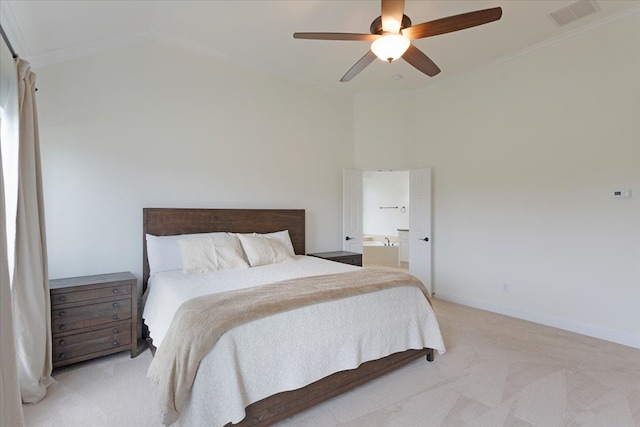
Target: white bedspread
x=287, y=351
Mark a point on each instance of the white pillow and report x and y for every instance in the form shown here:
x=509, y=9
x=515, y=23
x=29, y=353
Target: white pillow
x=163, y=252
x=211, y=254
x=261, y=250
x=282, y=236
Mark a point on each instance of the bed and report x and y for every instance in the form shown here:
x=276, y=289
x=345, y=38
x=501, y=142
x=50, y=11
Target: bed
x=282, y=400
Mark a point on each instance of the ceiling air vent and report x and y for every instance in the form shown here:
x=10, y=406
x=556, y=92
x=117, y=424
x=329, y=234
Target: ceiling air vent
x=574, y=11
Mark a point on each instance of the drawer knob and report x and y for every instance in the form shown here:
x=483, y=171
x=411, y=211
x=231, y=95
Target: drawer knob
x=115, y=304
x=63, y=355
x=62, y=298
x=115, y=316
x=63, y=327
x=115, y=343
x=116, y=291
x=116, y=331
x=62, y=342
x=62, y=313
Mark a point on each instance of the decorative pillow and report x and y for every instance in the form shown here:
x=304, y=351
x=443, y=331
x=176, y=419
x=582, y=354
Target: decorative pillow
x=261, y=250
x=211, y=254
x=163, y=252
x=282, y=236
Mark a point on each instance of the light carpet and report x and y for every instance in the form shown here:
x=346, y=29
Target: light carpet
x=498, y=371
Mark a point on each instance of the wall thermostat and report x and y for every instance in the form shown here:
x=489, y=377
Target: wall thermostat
x=621, y=194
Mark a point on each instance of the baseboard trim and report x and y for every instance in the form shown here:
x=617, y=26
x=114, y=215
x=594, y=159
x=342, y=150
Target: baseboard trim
x=594, y=331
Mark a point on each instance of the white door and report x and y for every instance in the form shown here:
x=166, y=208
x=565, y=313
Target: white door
x=420, y=225
x=352, y=210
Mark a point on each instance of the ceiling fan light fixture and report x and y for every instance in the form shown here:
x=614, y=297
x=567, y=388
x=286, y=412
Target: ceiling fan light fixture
x=390, y=47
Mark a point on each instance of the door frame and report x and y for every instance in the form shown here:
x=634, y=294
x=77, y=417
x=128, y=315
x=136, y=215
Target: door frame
x=429, y=280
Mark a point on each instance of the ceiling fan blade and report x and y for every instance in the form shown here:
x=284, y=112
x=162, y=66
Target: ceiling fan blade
x=391, y=14
x=336, y=36
x=452, y=23
x=420, y=61
x=359, y=66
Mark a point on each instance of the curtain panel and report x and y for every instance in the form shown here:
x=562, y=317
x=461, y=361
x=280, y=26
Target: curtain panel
x=32, y=309
x=10, y=404
x=10, y=408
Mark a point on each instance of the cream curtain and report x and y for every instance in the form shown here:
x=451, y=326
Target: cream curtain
x=30, y=280
x=10, y=406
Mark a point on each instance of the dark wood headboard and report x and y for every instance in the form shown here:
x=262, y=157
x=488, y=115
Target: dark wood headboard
x=171, y=221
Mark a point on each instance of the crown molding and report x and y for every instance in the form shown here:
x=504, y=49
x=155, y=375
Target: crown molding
x=79, y=51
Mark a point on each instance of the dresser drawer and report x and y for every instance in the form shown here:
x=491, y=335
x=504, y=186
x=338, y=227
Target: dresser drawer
x=72, y=346
x=58, y=298
x=67, y=319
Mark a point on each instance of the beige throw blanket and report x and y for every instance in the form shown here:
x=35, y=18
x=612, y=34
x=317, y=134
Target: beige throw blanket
x=201, y=321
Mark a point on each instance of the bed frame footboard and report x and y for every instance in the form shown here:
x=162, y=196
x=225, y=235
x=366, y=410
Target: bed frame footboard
x=283, y=405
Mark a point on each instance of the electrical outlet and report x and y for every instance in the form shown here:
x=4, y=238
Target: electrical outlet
x=505, y=287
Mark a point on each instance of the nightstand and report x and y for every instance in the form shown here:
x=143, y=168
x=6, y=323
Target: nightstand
x=344, y=257
x=93, y=316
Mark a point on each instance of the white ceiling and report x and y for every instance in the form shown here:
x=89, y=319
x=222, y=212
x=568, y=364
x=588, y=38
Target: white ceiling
x=258, y=33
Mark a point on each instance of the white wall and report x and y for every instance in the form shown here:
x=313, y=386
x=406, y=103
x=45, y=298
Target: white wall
x=384, y=131
x=385, y=189
x=149, y=125
x=525, y=157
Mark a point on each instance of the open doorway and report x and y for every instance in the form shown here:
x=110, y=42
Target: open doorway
x=385, y=214
x=419, y=218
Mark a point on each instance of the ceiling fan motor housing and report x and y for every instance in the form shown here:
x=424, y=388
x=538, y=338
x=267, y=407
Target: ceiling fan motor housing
x=376, y=25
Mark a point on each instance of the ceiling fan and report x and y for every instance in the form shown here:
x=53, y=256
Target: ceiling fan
x=392, y=32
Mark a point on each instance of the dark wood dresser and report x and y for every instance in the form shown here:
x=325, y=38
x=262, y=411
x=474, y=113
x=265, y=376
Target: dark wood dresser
x=93, y=316
x=344, y=257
